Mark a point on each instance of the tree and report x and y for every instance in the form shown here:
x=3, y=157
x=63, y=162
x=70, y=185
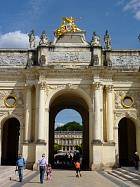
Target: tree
x=70, y=126
x=57, y=147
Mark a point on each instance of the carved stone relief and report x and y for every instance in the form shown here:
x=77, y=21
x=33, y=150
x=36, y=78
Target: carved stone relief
x=13, y=59
x=69, y=57
x=125, y=61
x=18, y=95
x=95, y=59
x=42, y=60
x=119, y=95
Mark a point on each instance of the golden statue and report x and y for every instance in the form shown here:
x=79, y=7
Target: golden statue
x=68, y=25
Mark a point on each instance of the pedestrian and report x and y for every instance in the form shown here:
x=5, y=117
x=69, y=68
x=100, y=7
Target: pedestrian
x=49, y=172
x=20, y=165
x=135, y=158
x=42, y=167
x=78, y=168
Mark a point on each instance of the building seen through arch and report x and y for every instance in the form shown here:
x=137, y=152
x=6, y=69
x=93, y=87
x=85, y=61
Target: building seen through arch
x=99, y=82
x=68, y=130
x=68, y=140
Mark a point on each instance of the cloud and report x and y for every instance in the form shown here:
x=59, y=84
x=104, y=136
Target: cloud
x=134, y=7
x=59, y=124
x=15, y=39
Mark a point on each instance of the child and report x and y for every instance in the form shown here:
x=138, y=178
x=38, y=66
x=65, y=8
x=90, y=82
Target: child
x=49, y=172
x=77, y=168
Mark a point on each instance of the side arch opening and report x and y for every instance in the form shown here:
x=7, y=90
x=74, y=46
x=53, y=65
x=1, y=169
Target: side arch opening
x=10, y=141
x=127, y=141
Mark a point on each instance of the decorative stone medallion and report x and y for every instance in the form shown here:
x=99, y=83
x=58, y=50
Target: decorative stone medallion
x=127, y=101
x=10, y=101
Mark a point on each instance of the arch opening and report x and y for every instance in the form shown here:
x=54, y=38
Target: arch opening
x=127, y=141
x=70, y=101
x=10, y=141
x=68, y=140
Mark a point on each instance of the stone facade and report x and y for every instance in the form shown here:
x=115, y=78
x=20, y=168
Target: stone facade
x=101, y=84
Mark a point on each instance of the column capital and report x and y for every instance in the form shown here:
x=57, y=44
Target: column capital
x=28, y=85
x=98, y=85
x=42, y=85
x=109, y=88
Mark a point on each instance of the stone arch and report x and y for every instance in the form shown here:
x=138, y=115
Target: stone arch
x=7, y=116
x=72, y=99
x=10, y=139
x=79, y=91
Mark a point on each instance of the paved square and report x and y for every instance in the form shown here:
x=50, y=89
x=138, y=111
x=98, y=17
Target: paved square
x=67, y=178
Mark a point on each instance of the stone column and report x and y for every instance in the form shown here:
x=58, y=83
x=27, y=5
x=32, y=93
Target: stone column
x=27, y=135
x=36, y=111
x=47, y=130
x=101, y=112
x=91, y=132
x=41, y=111
x=109, y=116
x=97, y=113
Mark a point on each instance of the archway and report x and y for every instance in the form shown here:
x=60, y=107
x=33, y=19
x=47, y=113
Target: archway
x=127, y=141
x=70, y=100
x=10, y=141
x=68, y=138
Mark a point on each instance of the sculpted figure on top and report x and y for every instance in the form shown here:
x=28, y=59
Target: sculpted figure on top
x=107, y=40
x=32, y=39
x=68, y=25
x=43, y=39
x=95, y=40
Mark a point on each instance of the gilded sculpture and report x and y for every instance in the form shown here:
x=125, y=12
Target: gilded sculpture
x=68, y=25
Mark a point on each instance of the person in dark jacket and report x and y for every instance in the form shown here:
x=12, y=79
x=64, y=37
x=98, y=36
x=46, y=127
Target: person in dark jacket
x=20, y=165
x=135, y=159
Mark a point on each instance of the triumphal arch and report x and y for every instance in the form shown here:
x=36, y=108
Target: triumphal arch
x=101, y=83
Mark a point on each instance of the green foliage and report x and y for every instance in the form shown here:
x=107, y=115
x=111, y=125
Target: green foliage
x=70, y=126
x=57, y=147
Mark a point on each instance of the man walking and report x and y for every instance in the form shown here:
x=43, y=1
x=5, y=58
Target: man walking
x=20, y=165
x=42, y=167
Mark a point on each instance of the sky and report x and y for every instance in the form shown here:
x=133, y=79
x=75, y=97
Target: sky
x=67, y=115
x=120, y=17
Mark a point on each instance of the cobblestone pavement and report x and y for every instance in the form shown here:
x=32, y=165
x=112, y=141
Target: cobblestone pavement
x=67, y=178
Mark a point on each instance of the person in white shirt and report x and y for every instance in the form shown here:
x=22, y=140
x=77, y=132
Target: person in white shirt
x=42, y=167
